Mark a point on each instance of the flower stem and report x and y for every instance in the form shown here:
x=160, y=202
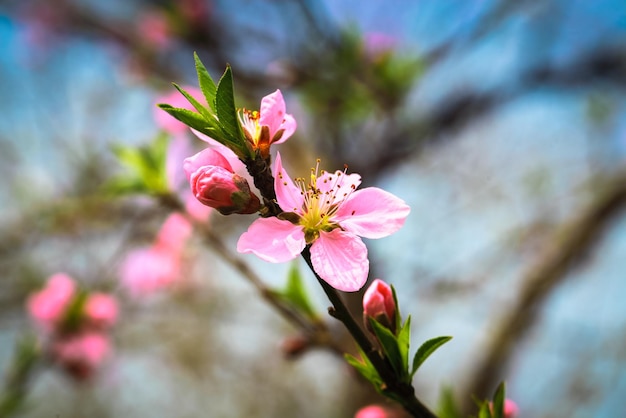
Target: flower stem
x=401, y=392
x=18, y=378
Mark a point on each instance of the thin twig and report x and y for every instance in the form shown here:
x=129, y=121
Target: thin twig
x=573, y=242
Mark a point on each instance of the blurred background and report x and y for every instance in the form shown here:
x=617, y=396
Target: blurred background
x=501, y=123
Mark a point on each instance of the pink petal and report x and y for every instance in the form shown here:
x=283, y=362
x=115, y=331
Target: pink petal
x=272, y=112
x=338, y=184
x=204, y=158
x=273, y=240
x=232, y=158
x=289, y=126
x=288, y=196
x=372, y=213
x=178, y=149
x=101, y=309
x=340, y=258
x=174, y=233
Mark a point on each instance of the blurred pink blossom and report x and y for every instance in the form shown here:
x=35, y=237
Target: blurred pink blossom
x=510, y=409
x=81, y=354
x=154, y=29
x=147, y=270
x=48, y=306
x=372, y=411
x=377, y=44
x=101, y=310
x=180, y=148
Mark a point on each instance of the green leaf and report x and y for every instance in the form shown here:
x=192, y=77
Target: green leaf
x=390, y=347
x=226, y=111
x=447, y=405
x=196, y=104
x=207, y=85
x=485, y=411
x=295, y=293
x=397, y=305
x=426, y=350
x=188, y=117
x=404, y=339
x=366, y=369
x=498, y=401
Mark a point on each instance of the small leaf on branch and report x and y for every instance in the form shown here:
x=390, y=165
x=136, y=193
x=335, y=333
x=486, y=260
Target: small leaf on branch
x=404, y=340
x=366, y=369
x=226, y=111
x=196, y=104
x=389, y=344
x=498, y=401
x=207, y=85
x=426, y=350
x=295, y=293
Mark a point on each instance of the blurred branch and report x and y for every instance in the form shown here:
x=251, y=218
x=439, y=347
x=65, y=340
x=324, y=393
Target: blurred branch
x=19, y=375
x=568, y=250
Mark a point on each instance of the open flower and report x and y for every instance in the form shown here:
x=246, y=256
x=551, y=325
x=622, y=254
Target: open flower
x=329, y=214
x=214, y=184
x=269, y=125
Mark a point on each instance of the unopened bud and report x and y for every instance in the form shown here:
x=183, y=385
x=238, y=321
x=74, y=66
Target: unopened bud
x=379, y=304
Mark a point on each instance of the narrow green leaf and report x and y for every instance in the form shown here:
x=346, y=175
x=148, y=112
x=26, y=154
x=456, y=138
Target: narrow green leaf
x=296, y=294
x=225, y=109
x=498, y=401
x=447, y=405
x=188, y=117
x=404, y=339
x=426, y=350
x=389, y=344
x=365, y=367
x=196, y=104
x=207, y=85
x=395, y=301
x=485, y=411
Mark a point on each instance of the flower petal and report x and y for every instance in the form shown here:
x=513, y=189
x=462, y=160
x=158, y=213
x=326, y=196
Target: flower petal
x=272, y=112
x=273, y=240
x=206, y=157
x=288, y=196
x=288, y=126
x=340, y=258
x=338, y=184
x=372, y=213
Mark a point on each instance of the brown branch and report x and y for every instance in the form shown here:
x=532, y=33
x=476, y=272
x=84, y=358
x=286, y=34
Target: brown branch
x=571, y=244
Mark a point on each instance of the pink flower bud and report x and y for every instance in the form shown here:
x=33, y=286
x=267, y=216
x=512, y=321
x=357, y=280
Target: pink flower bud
x=510, y=409
x=214, y=184
x=372, y=411
x=378, y=303
x=80, y=355
x=48, y=306
x=101, y=310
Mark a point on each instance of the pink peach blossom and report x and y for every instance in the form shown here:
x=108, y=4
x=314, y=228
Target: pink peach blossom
x=379, y=303
x=82, y=354
x=147, y=270
x=510, y=409
x=214, y=184
x=330, y=215
x=48, y=306
x=154, y=29
x=174, y=233
x=101, y=310
x=269, y=125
